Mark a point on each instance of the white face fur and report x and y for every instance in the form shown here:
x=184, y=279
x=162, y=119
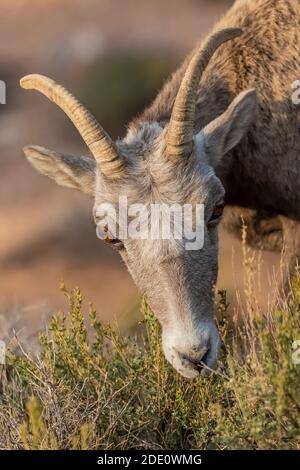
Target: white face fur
x=177, y=283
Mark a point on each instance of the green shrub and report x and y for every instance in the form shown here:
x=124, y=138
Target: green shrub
x=107, y=391
x=120, y=86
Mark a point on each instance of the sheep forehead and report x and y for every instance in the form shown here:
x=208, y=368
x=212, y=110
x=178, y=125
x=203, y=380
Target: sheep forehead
x=151, y=178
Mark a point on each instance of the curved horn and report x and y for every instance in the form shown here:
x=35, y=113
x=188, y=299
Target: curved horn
x=180, y=131
x=100, y=144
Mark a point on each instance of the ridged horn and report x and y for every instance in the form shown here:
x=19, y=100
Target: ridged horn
x=99, y=142
x=180, y=132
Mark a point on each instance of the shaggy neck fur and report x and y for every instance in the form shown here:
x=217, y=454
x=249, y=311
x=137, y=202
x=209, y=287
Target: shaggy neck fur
x=258, y=59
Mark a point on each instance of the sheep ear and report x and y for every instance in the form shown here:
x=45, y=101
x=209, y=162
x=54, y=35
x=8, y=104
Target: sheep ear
x=225, y=132
x=67, y=170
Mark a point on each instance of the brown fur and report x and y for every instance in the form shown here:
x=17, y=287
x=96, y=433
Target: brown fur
x=262, y=172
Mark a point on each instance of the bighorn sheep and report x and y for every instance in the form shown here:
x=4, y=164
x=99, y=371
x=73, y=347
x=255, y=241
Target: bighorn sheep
x=223, y=130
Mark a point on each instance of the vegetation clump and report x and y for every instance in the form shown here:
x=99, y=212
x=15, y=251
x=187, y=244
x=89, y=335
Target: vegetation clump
x=108, y=391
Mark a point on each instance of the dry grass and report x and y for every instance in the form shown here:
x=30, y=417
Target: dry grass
x=112, y=392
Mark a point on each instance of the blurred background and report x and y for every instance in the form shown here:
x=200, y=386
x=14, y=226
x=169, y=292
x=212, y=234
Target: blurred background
x=114, y=55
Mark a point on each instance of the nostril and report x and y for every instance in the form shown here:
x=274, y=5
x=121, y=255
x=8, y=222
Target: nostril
x=193, y=360
x=196, y=360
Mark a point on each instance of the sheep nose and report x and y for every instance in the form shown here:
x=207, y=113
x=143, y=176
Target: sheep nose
x=194, y=354
x=195, y=359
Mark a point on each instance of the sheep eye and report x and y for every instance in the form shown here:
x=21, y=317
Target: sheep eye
x=217, y=213
x=114, y=242
x=104, y=235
